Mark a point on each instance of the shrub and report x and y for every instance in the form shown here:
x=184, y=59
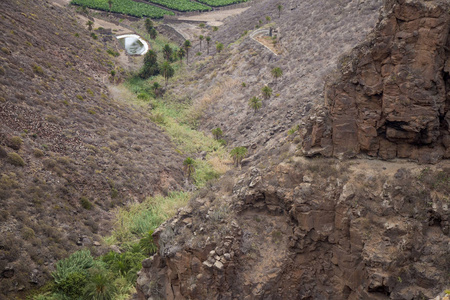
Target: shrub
x=38, y=70
x=15, y=159
x=72, y=285
x=85, y=203
x=217, y=133
x=79, y=261
x=15, y=142
x=147, y=244
x=38, y=152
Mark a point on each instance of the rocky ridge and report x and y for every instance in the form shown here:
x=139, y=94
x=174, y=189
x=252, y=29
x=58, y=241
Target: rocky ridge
x=390, y=98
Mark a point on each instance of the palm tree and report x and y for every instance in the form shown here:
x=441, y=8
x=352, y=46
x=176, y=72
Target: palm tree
x=201, y=37
x=167, y=71
x=208, y=39
x=189, y=167
x=255, y=103
x=150, y=67
x=279, y=7
x=181, y=54
x=187, y=44
x=266, y=91
x=148, y=25
x=238, y=155
x=219, y=47
x=100, y=287
x=276, y=73
x=167, y=51
x=110, y=2
x=89, y=25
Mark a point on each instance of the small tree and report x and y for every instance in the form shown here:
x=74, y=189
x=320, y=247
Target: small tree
x=167, y=52
x=201, y=37
x=215, y=28
x=217, y=133
x=201, y=25
x=189, y=167
x=89, y=24
x=167, y=71
x=255, y=103
x=181, y=54
x=238, y=155
x=208, y=40
x=280, y=8
x=148, y=25
x=153, y=33
x=276, y=73
x=187, y=45
x=268, y=19
x=219, y=47
x=266, y=91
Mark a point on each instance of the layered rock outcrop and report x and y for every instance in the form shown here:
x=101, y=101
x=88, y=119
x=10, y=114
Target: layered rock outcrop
x=391, y=96
x=302, y=231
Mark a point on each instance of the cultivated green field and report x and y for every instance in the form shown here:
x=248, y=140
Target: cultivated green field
x=221, y=2
x=182, y=5
x=127, y=7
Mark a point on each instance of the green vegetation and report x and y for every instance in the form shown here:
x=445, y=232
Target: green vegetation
x=238, y=155
x=127, y=7
x=15, y=142
x=150, y=67
x=255, y=103
x=266, y=91
x=217, y=133
x=187, y=45
x=85, y=203
x=276, y=73
x=219, y=47
x=208, y=40
x=189, y=167
x=167, y=71
x=15, y=159
x=182, y=5
x=221, y=2
x=280, y=8
x=89, y=24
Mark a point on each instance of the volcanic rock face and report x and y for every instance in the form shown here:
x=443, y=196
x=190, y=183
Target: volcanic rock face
x=304, y=231
x=390, y=98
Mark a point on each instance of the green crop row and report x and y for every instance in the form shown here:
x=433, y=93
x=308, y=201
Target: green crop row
x=182, y=5
x=126, y=7
x=221, y=2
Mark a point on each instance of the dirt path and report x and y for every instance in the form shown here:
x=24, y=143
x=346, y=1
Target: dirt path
x=214, y=18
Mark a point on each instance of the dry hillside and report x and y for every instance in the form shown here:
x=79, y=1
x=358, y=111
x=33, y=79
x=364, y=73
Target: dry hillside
x=68, y=152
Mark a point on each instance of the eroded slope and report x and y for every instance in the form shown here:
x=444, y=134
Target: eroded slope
x=78, y=153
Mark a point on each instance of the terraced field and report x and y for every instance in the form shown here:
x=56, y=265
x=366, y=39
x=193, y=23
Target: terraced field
x=140, y=9
x=182, y=5
x=127, y=7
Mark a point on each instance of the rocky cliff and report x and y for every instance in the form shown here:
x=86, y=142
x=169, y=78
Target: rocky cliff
x=309, y=229
x=390, y=97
